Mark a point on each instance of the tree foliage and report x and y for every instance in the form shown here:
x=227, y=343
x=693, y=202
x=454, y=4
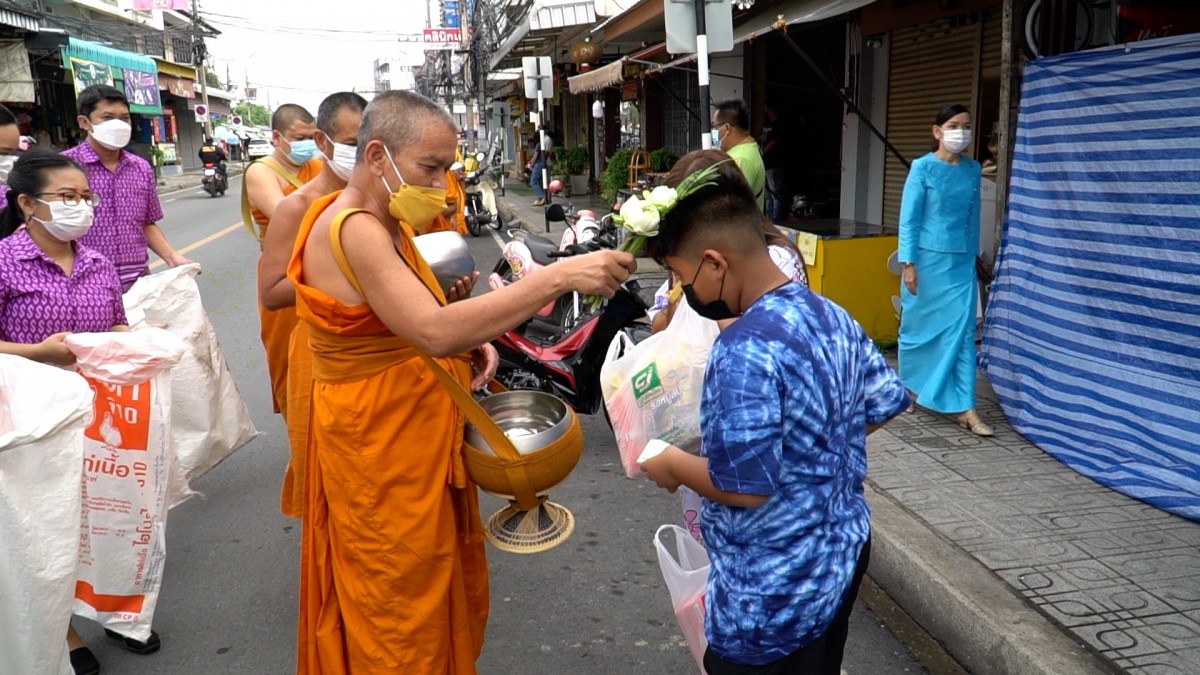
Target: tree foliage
x=253, y=114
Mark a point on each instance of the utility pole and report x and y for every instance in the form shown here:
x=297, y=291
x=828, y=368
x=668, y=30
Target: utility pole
x=199, y=53
x=703, y=75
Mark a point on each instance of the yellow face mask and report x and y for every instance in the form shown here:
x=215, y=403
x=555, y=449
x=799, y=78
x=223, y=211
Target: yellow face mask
x=415, y=205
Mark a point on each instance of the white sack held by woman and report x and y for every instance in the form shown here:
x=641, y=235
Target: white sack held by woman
x=210, y=419
x=127, y=468
x=42, y=411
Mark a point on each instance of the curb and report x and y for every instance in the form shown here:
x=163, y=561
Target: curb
x=980, y=620
x=166, y=190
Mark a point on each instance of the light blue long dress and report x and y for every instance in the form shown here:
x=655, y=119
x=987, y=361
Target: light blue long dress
x=939, y=234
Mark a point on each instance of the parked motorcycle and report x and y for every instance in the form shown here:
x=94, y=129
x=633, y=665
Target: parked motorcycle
x=481, y=208
x=567, y=364
x=215, y=181
x=526, y=253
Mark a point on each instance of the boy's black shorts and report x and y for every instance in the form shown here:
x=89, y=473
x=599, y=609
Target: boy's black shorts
x=822, y=656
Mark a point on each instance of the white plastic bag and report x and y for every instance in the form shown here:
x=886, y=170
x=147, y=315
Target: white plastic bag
x=127, y=467
x=686, y=574
x=210, y=420
x=42, y=411
x=653, y=389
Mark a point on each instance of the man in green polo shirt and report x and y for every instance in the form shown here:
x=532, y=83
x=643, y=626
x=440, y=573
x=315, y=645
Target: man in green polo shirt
x=731, y=133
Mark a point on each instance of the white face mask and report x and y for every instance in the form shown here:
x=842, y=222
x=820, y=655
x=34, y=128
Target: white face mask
x=956, y=140
x=113, y=134
x=6, y=165
x=67, y=223
x=343, y=160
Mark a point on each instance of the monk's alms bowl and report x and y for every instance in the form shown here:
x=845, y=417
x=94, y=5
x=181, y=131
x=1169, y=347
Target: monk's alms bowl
x=447, y=254
x=545, y=432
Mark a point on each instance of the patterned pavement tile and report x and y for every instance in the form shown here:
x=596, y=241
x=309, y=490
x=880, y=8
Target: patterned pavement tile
x=1120, y=639
x=1186, y=662
x=1180, y=563
x=1118, y=574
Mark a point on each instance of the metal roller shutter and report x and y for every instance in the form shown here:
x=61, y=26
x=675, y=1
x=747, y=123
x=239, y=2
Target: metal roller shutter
x=932, y=65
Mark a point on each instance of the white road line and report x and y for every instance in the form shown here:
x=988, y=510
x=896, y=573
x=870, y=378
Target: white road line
x=496, y=237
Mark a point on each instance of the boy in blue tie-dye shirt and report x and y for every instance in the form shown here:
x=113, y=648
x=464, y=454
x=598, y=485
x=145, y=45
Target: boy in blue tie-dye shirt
x=793, y=387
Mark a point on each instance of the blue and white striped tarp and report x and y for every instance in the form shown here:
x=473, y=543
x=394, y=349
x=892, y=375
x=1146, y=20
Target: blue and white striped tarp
x=1092, y=340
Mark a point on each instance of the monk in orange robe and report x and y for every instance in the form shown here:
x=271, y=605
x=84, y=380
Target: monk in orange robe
x=266, y=183
x=393, y=573
x=455, y=216
x=338, y=118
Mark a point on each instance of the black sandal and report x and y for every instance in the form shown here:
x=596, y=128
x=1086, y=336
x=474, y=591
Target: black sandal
x=84, y=662
x=148, y=647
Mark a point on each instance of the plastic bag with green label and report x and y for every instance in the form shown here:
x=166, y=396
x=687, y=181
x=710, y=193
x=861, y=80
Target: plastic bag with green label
x=653, y=389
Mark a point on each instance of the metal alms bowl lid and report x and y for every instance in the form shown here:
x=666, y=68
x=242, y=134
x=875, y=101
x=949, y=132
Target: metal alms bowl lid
x=447, y=254
x=532, y=420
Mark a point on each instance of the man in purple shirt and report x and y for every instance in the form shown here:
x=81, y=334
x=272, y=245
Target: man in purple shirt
x=128, y=213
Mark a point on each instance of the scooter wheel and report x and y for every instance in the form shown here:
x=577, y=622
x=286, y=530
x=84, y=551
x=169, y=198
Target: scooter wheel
x=496, y=223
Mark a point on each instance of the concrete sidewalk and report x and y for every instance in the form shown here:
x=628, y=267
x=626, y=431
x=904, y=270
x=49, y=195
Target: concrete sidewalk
x=1014, y=562
x=195, y=178
x=1018, y=564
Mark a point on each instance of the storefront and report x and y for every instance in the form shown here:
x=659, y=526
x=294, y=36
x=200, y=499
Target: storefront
x=90, y=63
x=174, y=129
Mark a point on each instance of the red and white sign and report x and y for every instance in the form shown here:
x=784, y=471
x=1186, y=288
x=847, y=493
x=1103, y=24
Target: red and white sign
x=151, y=5
x=437, y=39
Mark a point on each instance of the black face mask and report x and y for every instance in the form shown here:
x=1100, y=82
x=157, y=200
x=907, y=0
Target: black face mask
x=717, y=310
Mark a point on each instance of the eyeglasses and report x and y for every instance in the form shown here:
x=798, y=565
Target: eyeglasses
x=71, y=200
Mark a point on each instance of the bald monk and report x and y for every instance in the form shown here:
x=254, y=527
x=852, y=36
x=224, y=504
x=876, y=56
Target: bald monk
x=336, y=138
x=393, y=573
x=267, y=182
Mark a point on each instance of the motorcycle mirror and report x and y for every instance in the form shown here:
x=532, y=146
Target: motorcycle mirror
x=480, y=156
x=555, y=214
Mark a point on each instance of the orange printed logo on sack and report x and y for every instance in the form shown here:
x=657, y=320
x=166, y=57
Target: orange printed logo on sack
x=120, y=415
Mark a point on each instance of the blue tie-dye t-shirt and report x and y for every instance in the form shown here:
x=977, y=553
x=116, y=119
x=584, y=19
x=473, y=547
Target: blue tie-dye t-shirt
x=790, y=389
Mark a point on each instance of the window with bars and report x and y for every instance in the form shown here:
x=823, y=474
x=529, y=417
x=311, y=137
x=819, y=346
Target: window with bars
x=681, y=131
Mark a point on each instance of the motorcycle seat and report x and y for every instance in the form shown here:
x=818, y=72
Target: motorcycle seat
x=540, y=248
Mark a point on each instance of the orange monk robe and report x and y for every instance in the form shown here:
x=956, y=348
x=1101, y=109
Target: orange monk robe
x=277, y=325
x=455, y=190
x=299, y=402
x=393, y=573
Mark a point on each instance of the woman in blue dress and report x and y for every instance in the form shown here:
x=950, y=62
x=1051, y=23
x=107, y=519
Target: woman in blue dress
x=939, y=239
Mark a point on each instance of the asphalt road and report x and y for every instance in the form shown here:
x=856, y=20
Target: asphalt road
x=596, y=604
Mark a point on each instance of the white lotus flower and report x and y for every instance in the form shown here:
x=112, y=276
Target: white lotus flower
x=662, y=197
x=640, y=217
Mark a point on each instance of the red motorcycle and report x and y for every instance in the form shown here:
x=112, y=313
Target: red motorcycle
x=567, y=364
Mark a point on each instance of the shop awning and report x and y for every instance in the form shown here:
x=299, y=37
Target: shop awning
x=598, y=78
x=614, y=73
x=176, y=69
x=10, y=17
x=109, y=56
x=17, y=85
x=548, y=20
x=794, y=12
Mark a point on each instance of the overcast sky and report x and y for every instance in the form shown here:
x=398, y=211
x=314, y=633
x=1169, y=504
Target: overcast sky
x=302, y=55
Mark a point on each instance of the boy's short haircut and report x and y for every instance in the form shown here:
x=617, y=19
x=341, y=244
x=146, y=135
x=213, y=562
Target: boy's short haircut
x=724, y=213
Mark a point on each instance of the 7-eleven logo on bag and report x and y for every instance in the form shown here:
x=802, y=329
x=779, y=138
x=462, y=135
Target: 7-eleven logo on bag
x=120, y=415
x=647, y=384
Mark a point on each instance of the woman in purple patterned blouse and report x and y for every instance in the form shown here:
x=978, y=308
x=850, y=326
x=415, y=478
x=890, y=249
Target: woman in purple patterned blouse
x=50, y=285
x=10, y=145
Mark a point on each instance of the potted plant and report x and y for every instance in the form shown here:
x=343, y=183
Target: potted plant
x=159, y=155
x=576, y=164
x=616, y=175
x=662, y=160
